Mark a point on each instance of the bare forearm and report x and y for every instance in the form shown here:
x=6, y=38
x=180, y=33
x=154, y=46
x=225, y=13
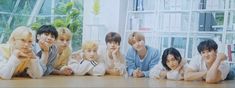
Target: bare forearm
x=44, y=57
x=213, y=74
x=113, y=72
x=56, y=72
x=194, y=75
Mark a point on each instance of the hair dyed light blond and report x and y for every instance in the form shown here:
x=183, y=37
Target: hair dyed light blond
x=64, y=31
x=88, y=45
x=134, y=37
x=19, y=33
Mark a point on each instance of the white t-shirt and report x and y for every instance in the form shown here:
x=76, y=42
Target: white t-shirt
x=118, y=63
x=172, y=74
x=199, y=65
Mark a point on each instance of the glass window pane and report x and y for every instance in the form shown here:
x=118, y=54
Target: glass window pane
x=7, y=5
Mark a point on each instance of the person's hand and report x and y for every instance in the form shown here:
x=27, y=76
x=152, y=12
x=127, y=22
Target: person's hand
x=114, y=71
x=92, y=59
x=135, y=72
x=138, y=73
x=116, y=51
x=44, y=45
x=180, y=66
x=76, y=56
x=18, y=53
x=66, y=71
x=24, y=53
x=31, y=54
x=221, y=56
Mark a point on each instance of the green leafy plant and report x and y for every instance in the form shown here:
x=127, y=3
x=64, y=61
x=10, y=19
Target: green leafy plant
x=36, y=26
x=59, y=23
x=72, y=21
x=96, y=7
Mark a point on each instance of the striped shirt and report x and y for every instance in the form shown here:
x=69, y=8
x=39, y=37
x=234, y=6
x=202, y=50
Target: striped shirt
x=48, y=67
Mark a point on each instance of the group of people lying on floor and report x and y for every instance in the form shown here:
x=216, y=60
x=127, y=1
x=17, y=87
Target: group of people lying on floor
x=49, y=52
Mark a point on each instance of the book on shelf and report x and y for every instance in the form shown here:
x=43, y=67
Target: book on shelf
x=136, y=22
x=138, y=5
x=206, y=21
x=231, y=52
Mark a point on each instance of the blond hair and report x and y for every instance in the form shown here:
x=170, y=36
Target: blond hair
x=64, y=31
x=89, y=45
x=20, y=32
x=134, y=37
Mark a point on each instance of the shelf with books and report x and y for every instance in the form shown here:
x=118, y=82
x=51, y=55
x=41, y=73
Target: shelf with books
x=173, y=4
x=209, y=10
x=174, y=11
x=205, y=32
x=141, y=5
x=189, y=21
x=173, y=21
x=140, y=21
x=209, y=4
x=159, y=32
x=142, y=12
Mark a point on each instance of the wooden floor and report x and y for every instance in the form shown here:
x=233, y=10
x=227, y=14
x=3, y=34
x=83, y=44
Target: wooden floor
x=106, y=81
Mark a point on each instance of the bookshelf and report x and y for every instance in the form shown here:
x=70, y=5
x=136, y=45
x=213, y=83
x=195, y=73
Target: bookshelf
x=182, y=23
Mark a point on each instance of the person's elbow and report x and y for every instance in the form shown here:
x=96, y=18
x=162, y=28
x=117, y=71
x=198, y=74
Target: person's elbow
x=38, y=75
x=187, y=77
x=6, y=77
x=212, y=80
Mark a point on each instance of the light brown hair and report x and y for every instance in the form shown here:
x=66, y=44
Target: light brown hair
x=134, y=37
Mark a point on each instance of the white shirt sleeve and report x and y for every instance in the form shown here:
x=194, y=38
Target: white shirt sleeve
x=224, y=69
x=156, y=70
x=7, y=67
x=80, y=68
x=35, y=70
x=98, y=70
x=174, y=75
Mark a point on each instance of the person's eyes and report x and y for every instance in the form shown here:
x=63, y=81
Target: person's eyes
x=30, y=41
x=46, y=34
x=167, y=61
x=52, y=36
x=23, y=40
x=116, y=43
x=203, y=52
x=61, y=39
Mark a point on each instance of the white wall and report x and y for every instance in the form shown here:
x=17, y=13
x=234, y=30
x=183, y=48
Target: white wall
x=112, y=14
x=111, y=18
